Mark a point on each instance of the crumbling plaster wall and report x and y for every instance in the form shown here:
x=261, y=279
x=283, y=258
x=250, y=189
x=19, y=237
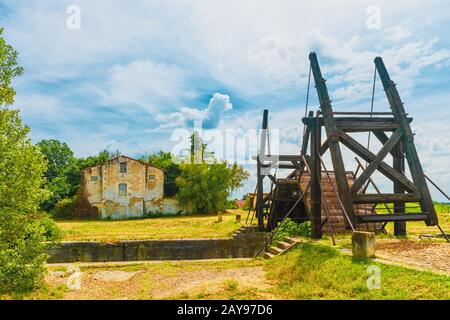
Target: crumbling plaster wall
x=144, y=188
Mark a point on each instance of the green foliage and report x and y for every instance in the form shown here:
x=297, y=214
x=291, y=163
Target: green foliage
x=204, y=188
x=60, y=163
x=290, y=228
x=231, y=204
x=23, y=232
x=58, y=156
x=165, y=160
x=51, y=231
x=65, y=208
x=92, y=161
x=8, y=70
x=22, y=235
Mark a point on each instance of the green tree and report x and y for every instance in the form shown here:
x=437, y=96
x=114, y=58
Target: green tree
x=93, y=161
x=166, y=161
x=22, y=234
x=22, y=167
x=8, y=70
x=60, y=166
x=59, y=157
x=204, y=188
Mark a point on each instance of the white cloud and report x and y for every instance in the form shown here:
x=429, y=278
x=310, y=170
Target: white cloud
x=209, y=117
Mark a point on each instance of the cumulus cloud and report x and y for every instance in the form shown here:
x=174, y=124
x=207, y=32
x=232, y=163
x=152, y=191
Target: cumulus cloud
x=209, y=117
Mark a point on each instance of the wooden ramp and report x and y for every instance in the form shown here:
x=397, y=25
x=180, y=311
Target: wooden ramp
x=332, y=205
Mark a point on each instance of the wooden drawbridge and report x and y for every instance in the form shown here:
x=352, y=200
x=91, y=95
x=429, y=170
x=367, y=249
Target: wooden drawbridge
x=338, y=199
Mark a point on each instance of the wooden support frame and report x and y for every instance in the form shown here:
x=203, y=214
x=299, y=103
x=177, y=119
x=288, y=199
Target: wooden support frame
x=412, y=157
x=383, y=167
x=388, y=146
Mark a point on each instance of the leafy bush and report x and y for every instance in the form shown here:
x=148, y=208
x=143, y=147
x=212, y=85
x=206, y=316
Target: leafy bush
x=51, y=230
x=65, y=208
x=290, y=228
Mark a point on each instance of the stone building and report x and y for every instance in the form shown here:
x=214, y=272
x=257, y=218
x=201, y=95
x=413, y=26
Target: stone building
x=121, y=188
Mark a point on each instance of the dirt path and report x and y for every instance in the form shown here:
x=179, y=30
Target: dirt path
x=184, y=284
x=434, y=256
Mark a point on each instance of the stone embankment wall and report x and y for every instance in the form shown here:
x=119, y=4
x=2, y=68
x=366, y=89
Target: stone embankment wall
x=245, y=243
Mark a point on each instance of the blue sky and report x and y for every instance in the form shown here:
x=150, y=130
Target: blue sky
x=137, y=71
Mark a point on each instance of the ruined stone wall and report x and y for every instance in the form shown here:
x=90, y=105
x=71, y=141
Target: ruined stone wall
x=142, y=188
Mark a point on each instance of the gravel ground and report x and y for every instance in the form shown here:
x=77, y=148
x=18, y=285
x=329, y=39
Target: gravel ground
x=435, y=256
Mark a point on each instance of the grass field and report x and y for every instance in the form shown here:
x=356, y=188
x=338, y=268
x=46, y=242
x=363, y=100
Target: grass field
x=320, y=272
x=155, y=228
x=306, y=272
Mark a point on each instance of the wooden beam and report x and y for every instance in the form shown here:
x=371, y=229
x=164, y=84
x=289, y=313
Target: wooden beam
x=374, y=164
x=316, y=193
x=383, y=138
x=367, y=126
x=325, y=146
x=392, y=217
x=306, y=135
x=399, y=207
x=384, y=168
x=386, y=198
x=333, y=142
x=259, y=176
x=389, y=123
x=411, y=154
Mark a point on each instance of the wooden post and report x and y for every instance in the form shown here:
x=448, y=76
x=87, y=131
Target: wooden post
x=306, y=136
x=260, y=176
x=333, y=139
x=316, y=213
x=399, y=207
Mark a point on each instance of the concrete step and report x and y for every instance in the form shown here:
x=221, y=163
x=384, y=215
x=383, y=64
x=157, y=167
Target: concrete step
x=275, y=250
x=268, y=255
x=283, y=245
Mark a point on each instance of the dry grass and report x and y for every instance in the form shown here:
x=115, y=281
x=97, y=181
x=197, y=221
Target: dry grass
x=156, y=228
x=226, y=279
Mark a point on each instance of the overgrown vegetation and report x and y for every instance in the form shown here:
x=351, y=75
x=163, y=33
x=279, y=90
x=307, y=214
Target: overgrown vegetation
x=290, y=228
x=321, y=272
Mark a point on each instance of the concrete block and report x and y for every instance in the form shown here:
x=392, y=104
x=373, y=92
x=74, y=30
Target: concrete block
x=363, y=244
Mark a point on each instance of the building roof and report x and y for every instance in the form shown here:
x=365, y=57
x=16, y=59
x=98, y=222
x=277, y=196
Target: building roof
x=240, y=203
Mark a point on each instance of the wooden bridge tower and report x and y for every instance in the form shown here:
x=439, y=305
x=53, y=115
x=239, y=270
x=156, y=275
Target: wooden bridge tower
x=394, y=132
